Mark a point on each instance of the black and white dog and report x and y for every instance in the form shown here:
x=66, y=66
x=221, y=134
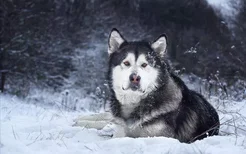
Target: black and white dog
x=148, y=99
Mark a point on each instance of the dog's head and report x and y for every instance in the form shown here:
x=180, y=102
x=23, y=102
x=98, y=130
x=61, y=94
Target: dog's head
x=135, y=67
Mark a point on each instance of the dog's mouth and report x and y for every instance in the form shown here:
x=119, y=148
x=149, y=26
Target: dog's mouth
x=134, y=88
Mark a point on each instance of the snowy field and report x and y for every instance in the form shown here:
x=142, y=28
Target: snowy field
x=41, y=129
x=44, y=126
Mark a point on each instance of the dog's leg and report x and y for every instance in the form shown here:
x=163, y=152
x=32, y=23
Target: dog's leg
x=97, y=121
x=104, y=122
x=91, y=124
x=97, y=117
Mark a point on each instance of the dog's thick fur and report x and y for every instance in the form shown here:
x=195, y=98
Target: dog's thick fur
x=162, y=105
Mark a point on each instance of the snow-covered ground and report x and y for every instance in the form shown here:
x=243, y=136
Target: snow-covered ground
x=31, y=129
x=228, y=8
x=222, y=4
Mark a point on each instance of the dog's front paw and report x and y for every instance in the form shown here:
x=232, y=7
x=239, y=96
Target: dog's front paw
x=112, y=130
x=108, y=130
x=119, y=131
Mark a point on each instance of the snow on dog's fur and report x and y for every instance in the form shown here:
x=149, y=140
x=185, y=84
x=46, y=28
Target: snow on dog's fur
x=148, y=99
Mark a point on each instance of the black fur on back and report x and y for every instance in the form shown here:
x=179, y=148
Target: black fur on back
x=194, y=114
x=208, y=120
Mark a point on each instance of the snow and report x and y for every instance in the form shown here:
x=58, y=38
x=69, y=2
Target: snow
x=226, y=6
x=28, y=128
x=217, y=2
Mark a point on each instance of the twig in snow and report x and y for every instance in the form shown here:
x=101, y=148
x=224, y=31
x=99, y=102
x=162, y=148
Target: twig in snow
x=13, y=131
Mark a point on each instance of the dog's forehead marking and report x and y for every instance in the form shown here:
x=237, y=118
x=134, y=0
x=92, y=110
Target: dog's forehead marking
x=136, y=60
x=130, y=57
x=141, y=59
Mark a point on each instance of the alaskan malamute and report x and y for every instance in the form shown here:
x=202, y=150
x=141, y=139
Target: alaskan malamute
x=148, y=99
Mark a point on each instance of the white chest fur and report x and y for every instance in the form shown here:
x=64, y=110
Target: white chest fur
x=128, y=100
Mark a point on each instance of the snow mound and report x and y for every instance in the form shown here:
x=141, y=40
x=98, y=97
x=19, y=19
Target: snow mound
x=27, y=129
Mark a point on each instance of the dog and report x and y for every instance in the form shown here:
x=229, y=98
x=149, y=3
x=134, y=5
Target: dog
x=148, y=99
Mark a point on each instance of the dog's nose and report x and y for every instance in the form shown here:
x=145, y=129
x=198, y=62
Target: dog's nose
x=134, y=78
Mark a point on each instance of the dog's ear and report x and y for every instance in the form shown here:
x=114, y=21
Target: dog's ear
x=114, y=41
x=160, y=45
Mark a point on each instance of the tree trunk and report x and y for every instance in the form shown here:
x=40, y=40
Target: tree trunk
x=3, y=77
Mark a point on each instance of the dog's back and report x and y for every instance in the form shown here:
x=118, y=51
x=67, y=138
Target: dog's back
x=195, y=113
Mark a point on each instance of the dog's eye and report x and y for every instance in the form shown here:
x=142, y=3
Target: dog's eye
x=144, y=65
x=127, y=63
